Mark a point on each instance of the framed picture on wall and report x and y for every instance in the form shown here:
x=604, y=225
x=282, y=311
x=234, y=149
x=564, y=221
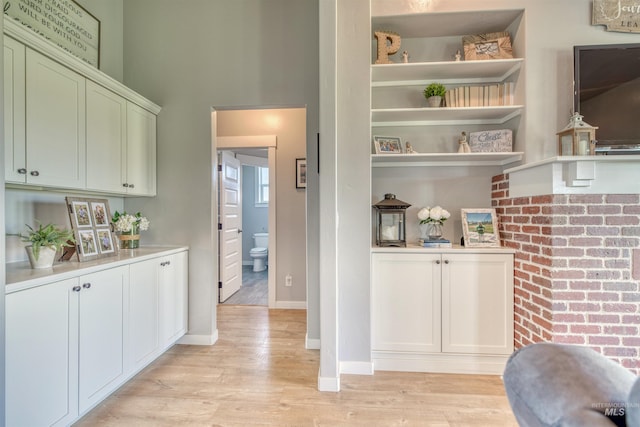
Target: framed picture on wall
x=480, y=227
x=301, y=173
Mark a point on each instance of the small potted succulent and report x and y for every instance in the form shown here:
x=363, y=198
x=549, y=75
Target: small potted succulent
x=434, y=94
x=45, y=241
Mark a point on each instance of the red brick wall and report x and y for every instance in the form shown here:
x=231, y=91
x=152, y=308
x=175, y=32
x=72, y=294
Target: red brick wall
x=577, y=269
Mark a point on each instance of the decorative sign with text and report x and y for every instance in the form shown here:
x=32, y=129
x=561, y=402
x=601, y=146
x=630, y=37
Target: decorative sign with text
x=617, y=15
x=63, y=22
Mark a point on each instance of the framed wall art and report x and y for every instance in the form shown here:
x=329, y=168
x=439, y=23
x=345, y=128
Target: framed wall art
x=387, y=144
x=91, y=224
x=487, y=46
x=301, y=173
x=480, y=227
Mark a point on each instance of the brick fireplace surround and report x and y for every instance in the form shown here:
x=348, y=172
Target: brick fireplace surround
x=577, y=269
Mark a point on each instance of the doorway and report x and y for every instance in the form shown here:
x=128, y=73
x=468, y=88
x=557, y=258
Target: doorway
x=254, y=210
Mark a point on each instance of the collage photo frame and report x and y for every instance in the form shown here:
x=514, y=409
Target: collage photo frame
x=91, y=224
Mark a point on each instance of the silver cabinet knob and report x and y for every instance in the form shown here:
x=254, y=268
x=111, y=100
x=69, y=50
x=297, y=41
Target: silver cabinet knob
x=35, y=173
x=131, y=186
x=446, y=261
x=86, y=285
x=125, y=185
x=22, y=171
x=438, y=262
x=76, y=288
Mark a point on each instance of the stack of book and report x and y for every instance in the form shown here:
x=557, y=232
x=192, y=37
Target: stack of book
x=434, y=243
x=480, y=96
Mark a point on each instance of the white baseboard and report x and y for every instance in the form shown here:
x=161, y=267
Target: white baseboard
x=295, y=305
x=199, y=339
x=311, y=343
x=356, y=368
x=440, y=363
x=329, y=384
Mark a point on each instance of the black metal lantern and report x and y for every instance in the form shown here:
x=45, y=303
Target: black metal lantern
x=390, y=221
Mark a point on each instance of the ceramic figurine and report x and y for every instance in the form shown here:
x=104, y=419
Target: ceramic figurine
x=463, y=145
x=409, y=148
x=458, y=56
x=405, y=57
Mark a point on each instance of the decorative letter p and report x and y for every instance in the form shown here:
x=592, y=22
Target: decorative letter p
x=385, y=50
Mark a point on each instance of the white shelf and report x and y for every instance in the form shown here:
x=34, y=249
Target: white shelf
x=446, y=24
x=445, y=159
x=448, y=72
x=444, y=116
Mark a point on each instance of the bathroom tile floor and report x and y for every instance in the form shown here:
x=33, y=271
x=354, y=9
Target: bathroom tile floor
x=254, y=289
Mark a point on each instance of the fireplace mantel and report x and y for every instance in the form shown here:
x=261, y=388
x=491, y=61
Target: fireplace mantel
x=576, y=175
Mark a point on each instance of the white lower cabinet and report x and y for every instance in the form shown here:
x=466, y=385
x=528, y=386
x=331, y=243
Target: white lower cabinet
x=71, y=343
x=442, y=311
x=101, y=315
x=42, y=355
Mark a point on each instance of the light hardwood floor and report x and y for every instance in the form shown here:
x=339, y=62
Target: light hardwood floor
x=259, y=373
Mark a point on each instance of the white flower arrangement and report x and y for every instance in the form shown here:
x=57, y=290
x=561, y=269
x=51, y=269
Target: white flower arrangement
x=435, y=215
x=124, y=222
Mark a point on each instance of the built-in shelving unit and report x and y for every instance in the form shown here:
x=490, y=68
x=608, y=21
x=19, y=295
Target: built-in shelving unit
x=451, y=159
x=444, y=116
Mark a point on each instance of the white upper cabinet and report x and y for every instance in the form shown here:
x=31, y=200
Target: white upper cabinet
x=141, y=151
x=55, y=124
x=70, y=126
x=15, y=162
x=106, y=139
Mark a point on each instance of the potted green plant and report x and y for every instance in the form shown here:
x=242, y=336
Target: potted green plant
x=434, y=94
x=45, y=241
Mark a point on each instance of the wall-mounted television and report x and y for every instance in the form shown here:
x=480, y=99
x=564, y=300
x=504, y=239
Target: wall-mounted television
x=607, y=94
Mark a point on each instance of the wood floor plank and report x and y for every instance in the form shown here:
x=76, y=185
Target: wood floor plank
x=260, y=374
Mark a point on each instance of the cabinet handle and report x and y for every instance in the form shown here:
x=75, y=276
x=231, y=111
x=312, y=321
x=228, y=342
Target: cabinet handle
x=438, y=262
x=162, y=264
x=22, y=171
x=125, y=185
x=76, y=288
x=446, y=261
x=86, y=285
x=168, y=262
x=35, y=173
x=131, y=186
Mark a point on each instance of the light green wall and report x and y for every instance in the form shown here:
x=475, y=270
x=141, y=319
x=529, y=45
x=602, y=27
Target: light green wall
x=189, y=57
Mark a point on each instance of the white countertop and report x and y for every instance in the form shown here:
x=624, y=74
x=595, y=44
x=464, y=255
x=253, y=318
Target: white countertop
x=21, y=276
x=415, y=248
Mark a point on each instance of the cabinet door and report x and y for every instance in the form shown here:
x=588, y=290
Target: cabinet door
x=405, y=311
x=141, y=151
x=101, y=334
x=41, y=355
x=477, y=303
x=106, y=139
x=14, y=100
x=143, y=312
x=173, y=298
x=55, y=124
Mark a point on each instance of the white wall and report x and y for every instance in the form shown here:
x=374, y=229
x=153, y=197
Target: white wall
x=188, y=59
x=2, y=249
x=289, y=126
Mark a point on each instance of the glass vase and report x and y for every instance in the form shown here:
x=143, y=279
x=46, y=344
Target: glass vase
x=130, y=239
x=434, y=231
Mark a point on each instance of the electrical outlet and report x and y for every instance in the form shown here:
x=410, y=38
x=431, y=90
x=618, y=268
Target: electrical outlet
x=288, y=281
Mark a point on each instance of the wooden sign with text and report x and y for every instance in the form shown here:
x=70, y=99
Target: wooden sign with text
x=617, y=15
x=62, y=22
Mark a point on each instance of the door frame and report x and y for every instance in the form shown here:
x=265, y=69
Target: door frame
x=269, y=142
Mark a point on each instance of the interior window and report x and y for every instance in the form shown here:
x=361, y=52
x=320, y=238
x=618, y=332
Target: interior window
x=262, y=186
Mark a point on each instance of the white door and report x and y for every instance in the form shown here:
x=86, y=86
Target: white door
x=230, y=238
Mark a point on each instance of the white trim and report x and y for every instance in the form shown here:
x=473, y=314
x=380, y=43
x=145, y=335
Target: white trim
x=356, y=368
x=295, y=305
x=311, y=343
x=252, y=160
x=199, y=339
x=448, y=363
x=329, y=384
x=273, y=232
x=246, y=141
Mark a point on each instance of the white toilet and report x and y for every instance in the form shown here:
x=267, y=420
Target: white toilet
x=260, y=251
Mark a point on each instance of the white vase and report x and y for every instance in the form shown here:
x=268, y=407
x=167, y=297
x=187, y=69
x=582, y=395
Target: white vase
x=45, y=258
x=434, y=101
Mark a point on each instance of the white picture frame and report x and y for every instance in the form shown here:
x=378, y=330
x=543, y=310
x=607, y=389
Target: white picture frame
x=388, y=144
x=480, y=228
